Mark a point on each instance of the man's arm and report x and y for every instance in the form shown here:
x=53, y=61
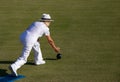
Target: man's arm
x=51, y=42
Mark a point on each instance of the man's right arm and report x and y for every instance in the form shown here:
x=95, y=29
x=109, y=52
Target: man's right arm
x=51, y=42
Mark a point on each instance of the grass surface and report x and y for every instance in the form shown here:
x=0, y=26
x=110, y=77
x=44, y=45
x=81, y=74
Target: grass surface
x=88, y=32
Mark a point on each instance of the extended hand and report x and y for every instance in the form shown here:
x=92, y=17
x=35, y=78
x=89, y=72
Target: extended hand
x=57, y=49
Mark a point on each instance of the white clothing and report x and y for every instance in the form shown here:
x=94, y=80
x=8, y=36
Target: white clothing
x=29, y=40
x=36, y=30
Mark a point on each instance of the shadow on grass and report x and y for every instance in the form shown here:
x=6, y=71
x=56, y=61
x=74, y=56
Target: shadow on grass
x=10, y=62
x=3, y=72
x=28, y=63
x=50, y=59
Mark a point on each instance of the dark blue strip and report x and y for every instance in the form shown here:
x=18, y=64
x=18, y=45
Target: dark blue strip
x=9, y=78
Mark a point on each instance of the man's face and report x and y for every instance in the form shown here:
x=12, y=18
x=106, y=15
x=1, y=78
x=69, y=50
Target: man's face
x=48, y=23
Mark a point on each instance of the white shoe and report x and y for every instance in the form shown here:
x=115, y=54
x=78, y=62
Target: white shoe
x=13, y=71
x=39, y=63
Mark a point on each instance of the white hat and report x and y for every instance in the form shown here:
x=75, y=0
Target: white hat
x=45, y=17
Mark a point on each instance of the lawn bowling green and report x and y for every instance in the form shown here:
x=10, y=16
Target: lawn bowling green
x=87, y=31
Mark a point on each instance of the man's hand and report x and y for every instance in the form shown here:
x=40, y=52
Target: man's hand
x=57, y=49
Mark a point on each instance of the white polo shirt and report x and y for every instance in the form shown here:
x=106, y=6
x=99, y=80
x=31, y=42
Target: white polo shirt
x=33, y=32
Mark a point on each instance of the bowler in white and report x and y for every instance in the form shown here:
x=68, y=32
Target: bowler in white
x=30, y=40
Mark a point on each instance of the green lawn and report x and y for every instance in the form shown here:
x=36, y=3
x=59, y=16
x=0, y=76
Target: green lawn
x=88, y=32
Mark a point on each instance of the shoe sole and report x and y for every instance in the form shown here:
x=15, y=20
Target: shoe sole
x=12, y=71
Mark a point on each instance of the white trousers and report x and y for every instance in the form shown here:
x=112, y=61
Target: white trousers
x=25, y=53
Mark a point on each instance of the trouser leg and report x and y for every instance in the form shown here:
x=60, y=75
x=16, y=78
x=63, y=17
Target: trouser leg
x=23, y=58
x=37, y=53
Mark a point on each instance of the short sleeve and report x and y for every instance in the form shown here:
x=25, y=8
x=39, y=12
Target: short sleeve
x=47, y=32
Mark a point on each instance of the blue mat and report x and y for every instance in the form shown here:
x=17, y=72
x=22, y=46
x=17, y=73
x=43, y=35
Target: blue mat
x=9, y=78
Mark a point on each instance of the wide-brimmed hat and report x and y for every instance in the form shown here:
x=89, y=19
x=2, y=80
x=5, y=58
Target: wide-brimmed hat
x=45, y=17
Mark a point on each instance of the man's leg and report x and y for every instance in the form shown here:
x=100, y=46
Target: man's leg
x=38, y=54
x=21, y=60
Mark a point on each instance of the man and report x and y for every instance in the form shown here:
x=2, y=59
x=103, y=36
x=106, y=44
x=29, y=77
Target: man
x=29, y=39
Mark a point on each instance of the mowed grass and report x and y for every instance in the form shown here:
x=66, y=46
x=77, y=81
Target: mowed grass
x=88, y=32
